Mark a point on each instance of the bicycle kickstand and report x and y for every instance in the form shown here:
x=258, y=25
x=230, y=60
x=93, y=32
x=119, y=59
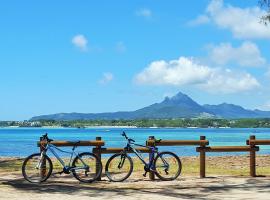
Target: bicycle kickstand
x=145, y=173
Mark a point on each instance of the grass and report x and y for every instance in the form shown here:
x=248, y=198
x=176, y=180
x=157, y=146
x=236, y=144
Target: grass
x=227, y=165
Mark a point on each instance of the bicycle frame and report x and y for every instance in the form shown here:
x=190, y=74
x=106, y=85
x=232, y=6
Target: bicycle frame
x=153, y=150
x=52, y=149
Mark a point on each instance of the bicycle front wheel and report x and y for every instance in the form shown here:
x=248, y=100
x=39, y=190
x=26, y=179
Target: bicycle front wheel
x=119, y=167
x=37, y=168
x=86, y=167
x=167, y=166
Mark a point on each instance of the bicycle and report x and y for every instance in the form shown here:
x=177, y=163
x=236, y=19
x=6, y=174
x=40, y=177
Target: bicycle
x=85, y=167
x=166, y=165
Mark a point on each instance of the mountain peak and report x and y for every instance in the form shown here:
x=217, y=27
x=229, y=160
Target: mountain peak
x=180, y=99
x=180, y=96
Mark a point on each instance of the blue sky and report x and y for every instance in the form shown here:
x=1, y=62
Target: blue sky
x=97, y=56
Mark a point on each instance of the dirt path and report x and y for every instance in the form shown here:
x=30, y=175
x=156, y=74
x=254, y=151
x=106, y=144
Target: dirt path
x=14, y=187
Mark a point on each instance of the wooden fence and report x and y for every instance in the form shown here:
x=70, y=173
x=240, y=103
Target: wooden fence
x=201, y=147
x=252, y=142
x=251, y=149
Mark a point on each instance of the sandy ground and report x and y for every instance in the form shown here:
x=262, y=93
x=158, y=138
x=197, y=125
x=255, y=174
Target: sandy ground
x=216, y=187
x=187, y=186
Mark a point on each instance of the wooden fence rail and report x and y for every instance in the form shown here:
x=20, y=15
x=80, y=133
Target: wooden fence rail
x=59, y=143
x=251, y=149
x=202, y=148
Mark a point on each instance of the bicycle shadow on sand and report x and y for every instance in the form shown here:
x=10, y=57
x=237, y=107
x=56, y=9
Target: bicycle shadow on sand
x=200, y=189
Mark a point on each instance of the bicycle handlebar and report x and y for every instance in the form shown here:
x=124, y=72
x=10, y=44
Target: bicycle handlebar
x=131, y=140
x=127, y=138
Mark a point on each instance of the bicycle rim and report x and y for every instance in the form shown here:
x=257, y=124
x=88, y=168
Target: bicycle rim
x=119, y=167
x=87, y=167
x=167, y=166
x=36, y=169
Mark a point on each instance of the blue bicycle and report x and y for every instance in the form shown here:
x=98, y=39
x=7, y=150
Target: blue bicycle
x=37, y=168
x=166, y=165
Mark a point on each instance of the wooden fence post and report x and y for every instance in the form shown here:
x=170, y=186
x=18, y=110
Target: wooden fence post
x=43, y=164
x=151, y=174
x=202, y=159
x=98, y=153
x=252, y=157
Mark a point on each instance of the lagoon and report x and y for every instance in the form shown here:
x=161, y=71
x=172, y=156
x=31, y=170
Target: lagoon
x=21, y=142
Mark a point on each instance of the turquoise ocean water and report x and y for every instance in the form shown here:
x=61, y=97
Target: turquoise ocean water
x=22, y=141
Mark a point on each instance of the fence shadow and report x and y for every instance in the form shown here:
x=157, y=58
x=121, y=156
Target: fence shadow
x=200, y=189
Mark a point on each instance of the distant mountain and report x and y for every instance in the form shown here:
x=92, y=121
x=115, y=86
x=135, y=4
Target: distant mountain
x=226, y=110
x=178, y=106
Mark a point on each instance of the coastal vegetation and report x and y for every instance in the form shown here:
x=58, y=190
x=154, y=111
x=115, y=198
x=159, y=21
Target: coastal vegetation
x=146, y=123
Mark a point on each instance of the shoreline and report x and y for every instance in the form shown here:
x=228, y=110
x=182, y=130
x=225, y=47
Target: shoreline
x=127, y=127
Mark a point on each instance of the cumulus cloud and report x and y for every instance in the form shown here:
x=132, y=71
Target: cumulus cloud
x=186, y=71
x=244, y=23
x=106, y=78
x=227, y=81
x=246, y=55
x=80, y=42
x=144, y=12
x=175, y=72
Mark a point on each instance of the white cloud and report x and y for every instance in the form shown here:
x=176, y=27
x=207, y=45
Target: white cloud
x=175, y=72
x=106, y=78
x=80, y=41
x=227, y=81
x=186, y=71
x=120, y=47
x=246, y=55
x=144, y=12
x=201, y=19
x=244, y=23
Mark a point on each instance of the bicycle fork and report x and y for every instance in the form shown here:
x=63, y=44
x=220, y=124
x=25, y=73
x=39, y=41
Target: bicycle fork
x=121, y=163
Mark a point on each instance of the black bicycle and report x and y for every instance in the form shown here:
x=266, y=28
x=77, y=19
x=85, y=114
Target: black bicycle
x=166, y=165
x=37, y=168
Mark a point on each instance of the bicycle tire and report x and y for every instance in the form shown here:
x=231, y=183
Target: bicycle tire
x=177, y=162
x=89, y=176
x=41, y=179
x=113, y=158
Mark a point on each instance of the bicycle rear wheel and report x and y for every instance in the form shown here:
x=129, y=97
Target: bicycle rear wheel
x=37, y=168
x=87, y=167
x=119, y=167
x=167, y=165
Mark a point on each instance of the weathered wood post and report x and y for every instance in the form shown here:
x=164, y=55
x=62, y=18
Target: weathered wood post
x=252, y=157
x=43, y=162
x=202, y=158
x=151, y=174
x=98, y=153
